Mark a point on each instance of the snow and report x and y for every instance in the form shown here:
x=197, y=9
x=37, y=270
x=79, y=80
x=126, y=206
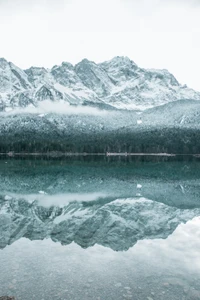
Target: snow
x=139, y=186
x=144, y=217
x=132, y=201
x=42, y=193
x=182, y=189
x=8, y=109
x=119, y=83
x=62, y=89
x=62, y=200
x=67, y=216
x=7, y=198
x=182, y=119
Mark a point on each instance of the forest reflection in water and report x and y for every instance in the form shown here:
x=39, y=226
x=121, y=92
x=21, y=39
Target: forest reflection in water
x=96, y=228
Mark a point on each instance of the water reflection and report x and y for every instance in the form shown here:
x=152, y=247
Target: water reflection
x=117, y=224
x=152, y=269
x=132, y=229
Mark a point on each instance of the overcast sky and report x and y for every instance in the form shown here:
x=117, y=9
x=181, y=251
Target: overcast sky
x=153, y=33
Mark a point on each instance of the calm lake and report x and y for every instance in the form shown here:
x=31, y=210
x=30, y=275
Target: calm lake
x=100, y=228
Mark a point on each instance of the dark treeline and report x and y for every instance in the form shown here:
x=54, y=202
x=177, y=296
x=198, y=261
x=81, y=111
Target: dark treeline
x=143, y=140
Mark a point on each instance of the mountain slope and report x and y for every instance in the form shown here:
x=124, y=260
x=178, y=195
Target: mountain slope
x=118, y=83
x=171, y=128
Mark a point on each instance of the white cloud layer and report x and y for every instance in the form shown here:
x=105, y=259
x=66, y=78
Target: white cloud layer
x=156, y=33
x=61, y=107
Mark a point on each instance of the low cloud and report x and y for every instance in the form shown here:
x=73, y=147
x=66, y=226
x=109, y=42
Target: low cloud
x=47, y=106
x=59, y=200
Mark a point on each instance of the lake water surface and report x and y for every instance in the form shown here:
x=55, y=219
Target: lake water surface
x=100, y=228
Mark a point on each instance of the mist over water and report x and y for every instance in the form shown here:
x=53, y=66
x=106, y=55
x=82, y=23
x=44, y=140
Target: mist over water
x=100, y=228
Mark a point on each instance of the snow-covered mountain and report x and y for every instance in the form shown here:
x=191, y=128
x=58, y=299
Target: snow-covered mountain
x=117, y=225
x=114, y=203
x=117, y=83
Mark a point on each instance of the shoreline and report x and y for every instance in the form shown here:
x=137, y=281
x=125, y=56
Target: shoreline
x=107, y=154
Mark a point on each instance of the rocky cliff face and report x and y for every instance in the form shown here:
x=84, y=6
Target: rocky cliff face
x=118, y=83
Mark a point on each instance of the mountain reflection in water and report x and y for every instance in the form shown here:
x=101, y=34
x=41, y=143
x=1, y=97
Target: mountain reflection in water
x=100, y=229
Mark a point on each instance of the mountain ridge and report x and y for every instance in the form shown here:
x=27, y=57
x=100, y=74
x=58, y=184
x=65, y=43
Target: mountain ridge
x=115, y=224
x=119, y=83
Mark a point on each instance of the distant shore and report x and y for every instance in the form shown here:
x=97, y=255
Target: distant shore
x=68, y=154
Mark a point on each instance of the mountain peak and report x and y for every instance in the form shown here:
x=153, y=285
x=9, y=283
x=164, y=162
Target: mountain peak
x=2, y=59
x=35, y=68
x=86, y=61
x=120, y=60
x=34, y=72
x=3, y=63
x=165, y=75
x=67, y=65
x=118, y=82
x=64, y=66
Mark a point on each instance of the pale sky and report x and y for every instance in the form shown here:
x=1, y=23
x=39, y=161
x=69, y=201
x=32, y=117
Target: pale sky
x=153, y=33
